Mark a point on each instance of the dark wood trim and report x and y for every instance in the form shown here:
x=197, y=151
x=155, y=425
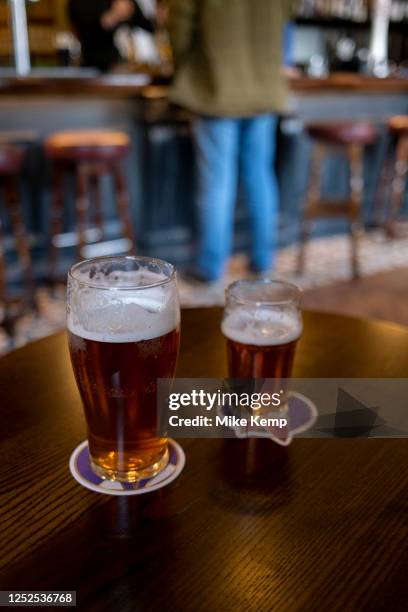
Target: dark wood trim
x=106, y=85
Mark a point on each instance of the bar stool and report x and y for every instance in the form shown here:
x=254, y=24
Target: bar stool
x=397, y=172
x=351, y=138
x=89, y=155
x=12, y=159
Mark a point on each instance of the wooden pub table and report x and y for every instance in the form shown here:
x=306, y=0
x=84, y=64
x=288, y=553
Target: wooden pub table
x=248, y=525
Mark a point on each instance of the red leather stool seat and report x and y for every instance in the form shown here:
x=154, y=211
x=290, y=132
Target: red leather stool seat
x=11, y=159
x=343, y=133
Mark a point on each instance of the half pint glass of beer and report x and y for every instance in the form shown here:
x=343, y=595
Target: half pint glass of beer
x=124, y=331
x=262, y=324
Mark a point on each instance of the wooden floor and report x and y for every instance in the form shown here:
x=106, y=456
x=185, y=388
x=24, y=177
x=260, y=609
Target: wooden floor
x=383, y=296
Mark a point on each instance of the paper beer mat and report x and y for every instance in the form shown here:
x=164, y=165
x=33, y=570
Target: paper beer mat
x=301, y=415
x=80, y=466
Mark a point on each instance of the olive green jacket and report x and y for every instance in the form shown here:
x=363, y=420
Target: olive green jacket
x=228, y=55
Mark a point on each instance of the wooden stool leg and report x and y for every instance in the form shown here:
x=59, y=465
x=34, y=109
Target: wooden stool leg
x=356, y=158
x=57, y=215
x=20, y=235
x=95, y=187
x=312, y=199
x=399, y=182
x=81, y=204
x=3, y=288
x=123, y=203
x=3, y=292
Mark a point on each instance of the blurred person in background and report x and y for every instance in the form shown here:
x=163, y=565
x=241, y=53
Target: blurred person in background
x=96, y=22
x=228, y=70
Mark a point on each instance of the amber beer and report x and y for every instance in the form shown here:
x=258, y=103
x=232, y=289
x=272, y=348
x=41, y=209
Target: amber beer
x=119, y=349
x=259, y=361
x=118, y=387
x=262, y=325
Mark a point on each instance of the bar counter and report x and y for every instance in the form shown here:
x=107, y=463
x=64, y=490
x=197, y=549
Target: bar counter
x=160, y=170
x=131, y=85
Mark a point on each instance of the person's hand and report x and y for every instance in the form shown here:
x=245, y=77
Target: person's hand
x=123, y=9
x=120, y=12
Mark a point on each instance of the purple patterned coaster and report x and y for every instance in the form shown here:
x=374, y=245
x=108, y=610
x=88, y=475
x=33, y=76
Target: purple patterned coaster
x=80, y=467
x=301, y=416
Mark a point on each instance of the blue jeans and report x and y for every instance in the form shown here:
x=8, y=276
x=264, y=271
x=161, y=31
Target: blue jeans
x=226, y=150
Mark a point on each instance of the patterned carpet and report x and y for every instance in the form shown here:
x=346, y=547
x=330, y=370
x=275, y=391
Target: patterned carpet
x=326, y=284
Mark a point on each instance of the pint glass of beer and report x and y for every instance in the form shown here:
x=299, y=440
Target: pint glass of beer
x=262, y=324
x=124, y=330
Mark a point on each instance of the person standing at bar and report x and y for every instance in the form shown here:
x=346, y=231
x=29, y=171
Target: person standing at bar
x=96, y=22
x=228, y=70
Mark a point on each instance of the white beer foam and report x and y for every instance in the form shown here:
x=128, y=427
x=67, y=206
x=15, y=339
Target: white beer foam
x=262, y=327
x=125, y=278
x=117, y=316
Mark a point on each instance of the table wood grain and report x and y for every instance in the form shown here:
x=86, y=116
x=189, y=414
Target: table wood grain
x=321, y=526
